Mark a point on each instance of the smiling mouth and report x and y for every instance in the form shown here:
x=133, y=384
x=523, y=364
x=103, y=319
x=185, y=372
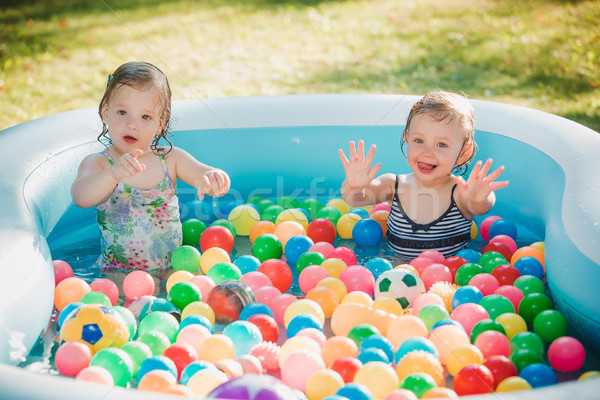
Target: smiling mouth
x=425, y=167
x=130, y=139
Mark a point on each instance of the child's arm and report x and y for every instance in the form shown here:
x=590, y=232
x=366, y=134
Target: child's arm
x=476, y=195
x=95, y=182
x=361, y=188
x=206, y=179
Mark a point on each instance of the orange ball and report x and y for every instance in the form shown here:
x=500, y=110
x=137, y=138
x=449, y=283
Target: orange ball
x=325, y=297
x=336, y=347
x=334, y=266
x=156, y=380
x=528, y=251
x=260, y=228
x=70, y=290
x=440, y=393
x=216, y=347
x=381, y=216
x=285, y=230
x=334, y=284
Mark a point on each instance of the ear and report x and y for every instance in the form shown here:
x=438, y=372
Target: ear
x=104, y=113
x=466, y=153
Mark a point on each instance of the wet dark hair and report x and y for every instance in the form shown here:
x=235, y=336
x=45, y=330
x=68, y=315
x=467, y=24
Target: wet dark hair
x=451, y=107
x=143, y=76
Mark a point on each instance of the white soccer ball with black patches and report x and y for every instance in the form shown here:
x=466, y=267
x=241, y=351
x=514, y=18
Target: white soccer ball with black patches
x=400, y=284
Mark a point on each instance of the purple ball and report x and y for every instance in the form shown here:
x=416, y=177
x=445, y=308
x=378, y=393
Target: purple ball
x=252, y=387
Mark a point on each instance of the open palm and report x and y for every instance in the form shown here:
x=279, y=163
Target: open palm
x=358, y=168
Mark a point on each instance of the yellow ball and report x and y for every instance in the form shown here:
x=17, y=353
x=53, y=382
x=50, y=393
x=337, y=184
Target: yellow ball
x=199, y=308
x=303, y=306
x=379, y=377
x=216, y=347
x=589, y=375
x=292, y=215
x=512, y=384
x=243, y=218
x=387, y=304
x=340, y=204
x=212, y=256
x=538, y=245
x=461, y=356
x=205, y=380
x=512, y=323
x=358, y=297
x=325, y=297
x=334, y=284
x=323, y=383
x=420, y=361
x=346, y=223
x=409, y=268
x=473, y=230
x=338, y=346
x=178, y=276
x=334, y=266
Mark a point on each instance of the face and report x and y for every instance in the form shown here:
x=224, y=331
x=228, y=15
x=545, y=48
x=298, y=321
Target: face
x=132, y=116
x=433, y=148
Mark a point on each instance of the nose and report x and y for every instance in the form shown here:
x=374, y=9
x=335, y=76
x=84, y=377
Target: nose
x=131, y=123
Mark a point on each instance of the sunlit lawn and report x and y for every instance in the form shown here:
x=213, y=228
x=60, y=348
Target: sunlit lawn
x=55, y=55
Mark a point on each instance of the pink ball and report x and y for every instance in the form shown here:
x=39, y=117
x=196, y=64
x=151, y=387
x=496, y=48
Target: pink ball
x=204, y=283
x=137, y=284
x=424, y=299
x=505, y=240
x=380, y=206
x=486, y=283
x=295, y=377
x=72, y=357
x=310, y=276
x=256, y=279
x=96, y=374
x=512, y=293
x=344, y=254
x=566, y=354
x=468, y=314
x=315, y=334
x=62, y=270
x=420, y=263
x=279, y=304
x=493, y=343
x=358, y=278
x=324, y=248
x=401, y=394
x=266, y=294
x=250, y=364
x=433, y=255
x=484, y=228
x=108, y=287
x=436, y=273
x=193, y=335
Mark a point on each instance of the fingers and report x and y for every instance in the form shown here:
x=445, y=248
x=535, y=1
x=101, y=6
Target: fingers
x=343, y=158
x=370, y=154
x=352, y=151
x=214, y=182
x=373, y=171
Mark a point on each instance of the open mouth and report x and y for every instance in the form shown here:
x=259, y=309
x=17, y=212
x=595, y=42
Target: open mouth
x=129, y=139
x=425, y=167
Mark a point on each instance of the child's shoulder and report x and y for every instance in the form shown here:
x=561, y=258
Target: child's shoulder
x=95, y=160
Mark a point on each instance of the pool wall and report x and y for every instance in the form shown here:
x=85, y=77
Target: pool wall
x=279, y=144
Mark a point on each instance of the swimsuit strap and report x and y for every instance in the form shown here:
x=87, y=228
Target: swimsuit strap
x=110, y=160
x=163, y=161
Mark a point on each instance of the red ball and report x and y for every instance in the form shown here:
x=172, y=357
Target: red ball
x=216, y=236
x=321, y=230
x=278, y=272
x=182, y=355
x=62, y=270
x=506, y=274
x=498, y=247
x=473, y=379
x=346, y=367
x=267, y=326
x=108, y=287
x=501, y=368
x=454, y=263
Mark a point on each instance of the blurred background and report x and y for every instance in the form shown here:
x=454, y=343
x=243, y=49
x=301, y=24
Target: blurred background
x=55, y=55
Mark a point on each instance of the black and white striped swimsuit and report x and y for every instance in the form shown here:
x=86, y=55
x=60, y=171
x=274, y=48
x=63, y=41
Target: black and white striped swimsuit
x=447, y=234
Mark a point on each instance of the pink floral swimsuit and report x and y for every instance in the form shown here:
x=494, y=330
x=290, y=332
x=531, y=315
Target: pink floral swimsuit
x=140, y=228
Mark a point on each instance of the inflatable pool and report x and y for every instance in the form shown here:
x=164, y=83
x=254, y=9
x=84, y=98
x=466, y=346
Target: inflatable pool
x=288, y=145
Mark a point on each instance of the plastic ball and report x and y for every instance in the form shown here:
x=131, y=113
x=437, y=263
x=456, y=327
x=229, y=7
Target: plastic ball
x=361, y=331
x=444, y=392
x=117, y=362
x=528, y=284
x=533, y=304
x=192, y=229
x=279, y=305
x=512, y=324
x=267, y=326
x=354, y=391
x=321, y=230
x=278, y=272
x=176, y=277
x=466, y=294
x=367, y=232
x=309, y=258
x=405, y=327
x=108, y=287
x=506, y=241
x=325, y=297
x=418, y=383
x=224, y=271
x=211, y=257
x=204, y=283
x=252, y=387
x=378, y=265
x=243, y=217
x=323, y=383
x=388, y=305
x=330, y=213
x=303, y=306
x=244, y=336
x=62, y=270
x=512, y=383
x=465, y=273
x=420, y=361
x=95, y=374
x=181, y=355
x=446, y=338
x=192, y=368
x=205, y=381
x=346, y=224
x=295, y=377
x=485, y=325
x=528, y=265
x=493, y=343
x=296, y=246
x=432, y=313
x=550, y=325
x=506, y=274
x=247, y=263
x=486, y=283
x=184, y=293
x=468, y=315
x=95, y=298
x=496, y=305
x=523, y=357
x=199, y=308
x=311, y=205
x=138, y=352
x=498, y=247
x=413, y=344
x=160, y=321
x=501, y=368
x=156, y=341
x=250, y=364
x=473, y=379
x=527, y=341
x=310, y=276
x=216, y=347
x=285, y=230
x=358, y=297
x=186, y=258
x=193, y=335
x=72, y=357
x=538, y=375
x=228, y=299
x=566, y=354
x=462, y=356
x=267, y=246
x=261, y=228
x=381, y=216
x=503, y=227
x=379, y=377
x=70, y=290
x=266, y=294
x=217, y=236
x=358, y=278
x=528, y=251
x=324, y=248
x=485, y=226
x=345, y=254
x=296, y=215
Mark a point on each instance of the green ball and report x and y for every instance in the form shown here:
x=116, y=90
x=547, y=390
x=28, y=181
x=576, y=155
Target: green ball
x=224, y=271
x=533, y=304
x=117, y=362
x=432, y=313
x=183, y=293
x=254, y=198
x=266, y=247
x=160, y=321
x=361, y=331
x=528, y=284
x=288, y=202
x=96, y=298
x=490, y=265
x=486, y=325
x=523, y=357
x=227, y=224
x=192, y=229
x=307, y=258
x=138, y=352
x=129, y=319
x=264, y=204
x=550, y=325
x=496, y=305
x=418, y=383
x=271, y=213
x=157, y=341
x=489, y=256
x=527, y=340
x=186, y=258
x=311, y=205
x=331, y=213
x=466, y=272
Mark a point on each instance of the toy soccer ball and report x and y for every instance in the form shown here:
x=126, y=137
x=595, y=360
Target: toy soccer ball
x=400, y=284
x=95, y=325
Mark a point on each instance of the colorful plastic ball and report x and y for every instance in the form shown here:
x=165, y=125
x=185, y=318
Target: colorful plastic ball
x=243, y=217
x=192, y=229
x=267, y=326
x=325, y=297
x=330, y=213
x=296, y=246
x=158, y=362
x=137, y=284
x=244, y=336
x=324, y=248
x=523, y=357
x=267, y=246
x=213, y=256
x=250, y=364
x=310, y=276
x=355, y=391
x=204, y=283
x=446, y=338
x=566, y=354
x=533, y=304
x=323, y=383
x=589, y=375
x=96, y=298
x=436, y=273
x=462, y=356
x=205, y=381
x=62, y=270
x=538, y=375
x=388, y=305
x=506, y=241
x=469, y=314
x=285, y=230
x=193, y=335
x=224, y=271
x=485, y=226
x=367, y=232
x=181, y=355
x=485, y=325
x=346, y=224
x=217, y=236
x=512, y=323
x=358, y=297
x=95, y=374
x=192, y=368
x=321, y=230
x=493, y=343
x=186, y=258
x=261, y=228
x=138, y=352
x=287, y=202
x=184, y=293
x=360, y=212
x=528, y=251
x=418, y=383
x=256, y=280
x=228, y=299
x=309, y=258
x=413, y=344
x=503, y=227
x=498, y=247
x=528, y=284
x=506, y=274
x=160, y=321
x=465, y=273
x=358, y=278
x=311, y=205
x=496, y=305
x=199, y=308
x=253, y=309
x=378, y=265
x=108, y=287
x=156, y=341
x=473, y=379
x=501, y=368
x=266, y=294
x=176, y=277
x=527, y=340
x=379, y=377
x=279, y=305
x=420, y=361
x=72, y=357
x=486, y=283
x=279, y=272
x=345, y=254
x=469, y=255
x=380, y=342
x=66, y=311
x=302, y=321
x=117, y=362
x=252, y=387
x=296, y=215
x=466, y=294
x=227, y=224
x=247, y=263
x=70, y=290
x=528, y=265
x=512, y=383
x=216, y=347
x=443, y=392
x=432, y=313
x=303, y=306
x=129, y=319
x=405, y=327
x=550, y=325
x=296, y=378
x=361, y=331
x=346, y=366
x=271, y=213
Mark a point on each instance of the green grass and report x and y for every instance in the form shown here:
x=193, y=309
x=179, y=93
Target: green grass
x=55, y=55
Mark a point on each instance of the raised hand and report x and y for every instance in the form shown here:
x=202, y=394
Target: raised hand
x=214, y=182
x=478, y=187
x=128, y=165
x=358, y=168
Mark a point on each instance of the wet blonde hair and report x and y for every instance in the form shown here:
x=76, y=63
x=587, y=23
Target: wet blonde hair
x=142, y=76
x=453, y=108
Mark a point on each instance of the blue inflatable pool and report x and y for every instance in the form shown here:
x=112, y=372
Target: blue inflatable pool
x=288, y=145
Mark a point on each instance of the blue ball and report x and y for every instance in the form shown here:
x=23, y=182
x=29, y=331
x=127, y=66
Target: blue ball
x=305, y=212
x=361, y=212
x=443, y=322
x=156, y=362
x=503, y=227
x=192, y=368
x=530, y=266
x=367, y=232
x=372, y=354
x=469, y=255
x=253, y=309
x=247, y=263
x=69, y=308
x=378, y=265
x=415, y=343
x=380, y=342
x=196, y=319
x=538, y=374
x=244, y=336
x=355, y=391
x=296, y=246
x=302, y=321
x=466, y=294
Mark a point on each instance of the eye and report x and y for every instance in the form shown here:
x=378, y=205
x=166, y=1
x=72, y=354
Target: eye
x=122, y=112
x=442, y=144
x=418, y=140
x=146, y=117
